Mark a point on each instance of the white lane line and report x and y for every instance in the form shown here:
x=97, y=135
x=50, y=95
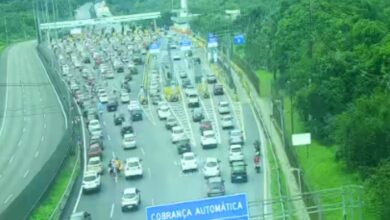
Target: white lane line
x=24, y=119
x=152, y=201
x=20, y=143
x=112, y=210
x=11, y=159
x=150, y=173
x=42, y=138
x=104, y=123
x=142, y=151
x=113, y=155
x=24, y=130
x=26, y=173
x=44, y=115
x=6, y=99
x=36, y=154
x=108, y=137
x=8, y=198
x=175, y=163
x=44, y=125
x=54, y=90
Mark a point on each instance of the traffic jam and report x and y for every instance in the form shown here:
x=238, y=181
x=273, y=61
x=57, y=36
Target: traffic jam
x=120, y=85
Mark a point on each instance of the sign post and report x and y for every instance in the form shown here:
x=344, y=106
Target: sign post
x=185, y=44
x=232, y=207
x=303, y=139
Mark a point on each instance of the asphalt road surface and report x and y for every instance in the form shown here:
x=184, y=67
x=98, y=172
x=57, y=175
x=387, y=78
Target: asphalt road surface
x=33, y=121
x=163, y=181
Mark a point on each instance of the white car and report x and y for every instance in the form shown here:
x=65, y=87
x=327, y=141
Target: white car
x=91, y=182
x=129, y=141
x=93, y=125
x=235, y=153
x=101, y=91
x=95, y=164
x=227, y=121
x=177, y=134
x=183, y=74
x=193, y=100
x=131, y=199
x=133, y=167
x=103, y=98
x=163, y=112
x=65, y=70
x=125, y=97
x=223, y=107
x=211, y=167
x=109, y=75
x=188, y=162
x=208, y=139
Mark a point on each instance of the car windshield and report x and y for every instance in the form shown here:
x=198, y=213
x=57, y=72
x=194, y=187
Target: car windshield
x=188, y=157
x=178, y=131
x=133, y=164
x=89, y=178
x=94, y=162
x=211, y=164
x=236, y=150
x=129, y=195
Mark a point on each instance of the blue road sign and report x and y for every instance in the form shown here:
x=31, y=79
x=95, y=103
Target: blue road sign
x=185, y=43
x=232, y=207
x=239, y=39
x=212, y=41
x=154, y=46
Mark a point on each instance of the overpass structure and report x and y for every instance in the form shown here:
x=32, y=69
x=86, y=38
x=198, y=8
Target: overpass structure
x=99, y=21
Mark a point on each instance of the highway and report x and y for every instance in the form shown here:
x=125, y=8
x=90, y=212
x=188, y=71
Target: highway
x=163, y=181
x=33, y=120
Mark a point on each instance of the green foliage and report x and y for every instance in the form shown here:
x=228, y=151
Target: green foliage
x=364, y=131
x=378, y=191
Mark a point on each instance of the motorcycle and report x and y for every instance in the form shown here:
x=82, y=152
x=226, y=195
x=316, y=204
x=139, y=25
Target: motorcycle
x=257, y=164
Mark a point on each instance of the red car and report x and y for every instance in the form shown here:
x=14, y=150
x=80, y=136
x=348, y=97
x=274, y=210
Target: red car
x=205, y=125
x=95, y=150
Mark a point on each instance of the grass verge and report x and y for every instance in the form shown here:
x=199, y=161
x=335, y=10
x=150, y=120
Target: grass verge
x=265, y=82
x=56, y=191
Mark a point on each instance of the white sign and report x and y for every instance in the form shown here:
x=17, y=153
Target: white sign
x=301, y=139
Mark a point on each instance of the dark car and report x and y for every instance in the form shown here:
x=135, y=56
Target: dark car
x=112, y=104
x=127, y=128
x=186, y=83
x=126, y=86
x=218, y=89
x=119, y=119
x=205, y=125
x=197, y=60
x=90, y=111
x=136, y=115
x=238, y=172
x=183, y=146
x=80, y=216
x=137, y=60
x=197, y=114
x=156, y=99
x=95, y=150
x=216, y=186
x=128, y=77
x=133, y=71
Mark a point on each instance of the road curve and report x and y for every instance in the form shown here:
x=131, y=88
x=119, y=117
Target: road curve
x=33, y=121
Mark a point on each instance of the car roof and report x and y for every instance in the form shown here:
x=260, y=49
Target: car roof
x=90, y=173
x=211, y=159
x=94, y=158
x=177, y=128
x=208, y=132
x=188, y=154
x=129, y=190
x=223, y=102
x=216, y=179
x=235, y=146
x=128, y=135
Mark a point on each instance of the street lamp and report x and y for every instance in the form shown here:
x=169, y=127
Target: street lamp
x=298, y=170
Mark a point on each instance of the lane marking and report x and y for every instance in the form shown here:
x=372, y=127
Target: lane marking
x=36, y=154
x=11, y=159
x=26, y=173
x=44, y=125
x=8, y=198
x=150, y=173
x=6, y=98
x=112, y=210
x=20, y=143
x=54, y=90
x=24, y=130
x=142, y=151
x=24, y=119
x=152, y=201
x=113, y=155
x=42, y=138
x=108, y=137
x=44, y=115
x=104, y=123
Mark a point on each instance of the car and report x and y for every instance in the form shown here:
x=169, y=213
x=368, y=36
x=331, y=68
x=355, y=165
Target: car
x=127, y=128
x=65, y=69
x=238, y=172
x=188, y=162
x=186, y=84
x=125, y=97
x=95, y=164
x=205, y=125
x=95, y=128
x=163, y=111
x=135, y=110
x=176, y=57
x=103, y=98
x=193, y=99
x=109, y=75
x=218, y=89
x=211, y=167
x=236, y=137
x=129, y=141
x=133, y=167
x=126, y=86
x=211, y=78
x=216, y=186
x=80, y=216
x=96, y=139
x=235, y=153
x=183, y=74
x=208, y=139
x=227, y=122
x=223, y=107
x=119, y=119
x=95, y=150
x=177, y=134
x=112, y=104
x=183, y=146
x=90, y=117
x=131, y=199
x=155, y=99
x=170, y=122
x=91, y=182
x=197, y=114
